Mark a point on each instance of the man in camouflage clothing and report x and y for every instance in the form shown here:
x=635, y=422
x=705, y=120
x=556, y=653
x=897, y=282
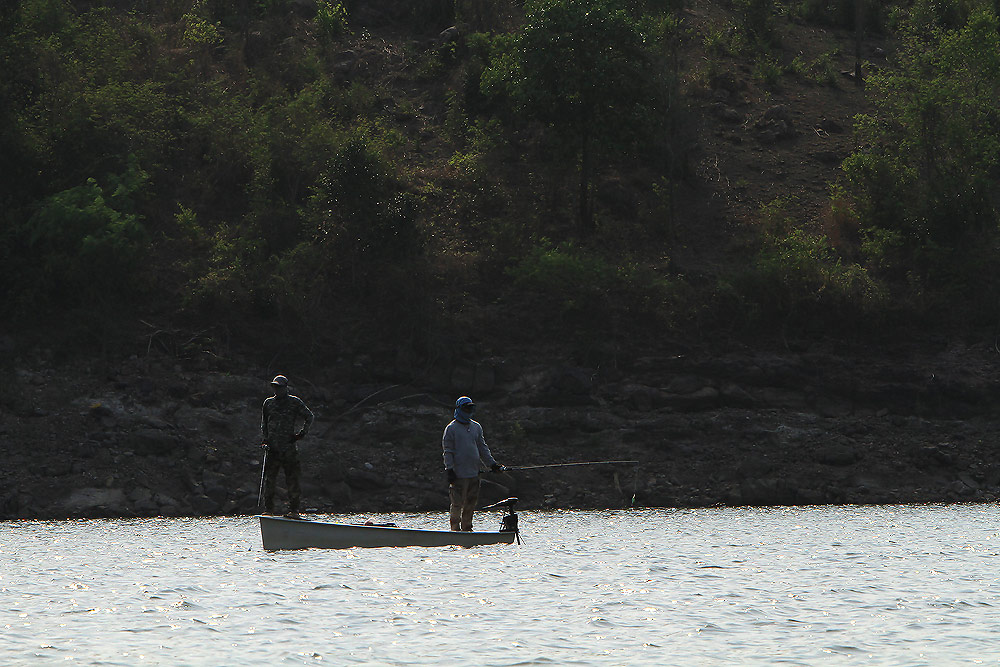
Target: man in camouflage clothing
x=280, y=416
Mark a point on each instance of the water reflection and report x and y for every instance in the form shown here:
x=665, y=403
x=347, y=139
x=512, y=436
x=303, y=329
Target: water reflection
x=693, y=587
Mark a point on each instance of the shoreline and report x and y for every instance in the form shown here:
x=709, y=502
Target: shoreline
x=150, y=437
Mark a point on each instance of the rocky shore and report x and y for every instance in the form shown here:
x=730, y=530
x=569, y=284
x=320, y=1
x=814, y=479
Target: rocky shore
x=160, y=436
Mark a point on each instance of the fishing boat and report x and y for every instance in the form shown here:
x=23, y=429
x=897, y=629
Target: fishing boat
x=278, y=533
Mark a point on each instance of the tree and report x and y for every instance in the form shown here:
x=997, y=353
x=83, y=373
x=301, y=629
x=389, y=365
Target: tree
x=586, y=70
x=924, y=183
x=925, y=179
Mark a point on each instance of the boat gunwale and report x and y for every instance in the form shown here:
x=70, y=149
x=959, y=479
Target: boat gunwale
x=365, y=525
x=400, y=533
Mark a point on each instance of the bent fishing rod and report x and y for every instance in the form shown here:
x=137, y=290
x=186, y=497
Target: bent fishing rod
x=577, y=463
x=635, y=484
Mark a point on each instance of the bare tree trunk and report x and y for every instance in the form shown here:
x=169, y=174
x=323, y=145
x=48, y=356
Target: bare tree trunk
x=859, y=16
x=586, y=206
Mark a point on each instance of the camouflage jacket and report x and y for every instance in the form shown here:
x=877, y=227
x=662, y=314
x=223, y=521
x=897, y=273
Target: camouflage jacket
x=279, y=419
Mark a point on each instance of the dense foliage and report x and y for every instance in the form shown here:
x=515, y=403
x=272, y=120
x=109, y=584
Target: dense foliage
x=594, y=75
x=925, y=179
x=258, y=164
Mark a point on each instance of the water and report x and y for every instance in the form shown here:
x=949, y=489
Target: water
x=898, y=585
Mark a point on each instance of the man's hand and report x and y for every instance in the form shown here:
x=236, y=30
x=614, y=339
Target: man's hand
x=264, y=445
x=451, y=476
x=496, y=467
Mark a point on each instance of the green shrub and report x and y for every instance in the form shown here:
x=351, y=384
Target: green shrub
x=797, y=280
x=199, y=33
x=85, y=246
x=331, y=19
x=821, y=70
x=719, y=41
x=875, y=16
x=362, y=214
x=563, y=270
x=755, y=20
x=579, y=294
x=271, y=7
x=230, y=273
x=767, y=70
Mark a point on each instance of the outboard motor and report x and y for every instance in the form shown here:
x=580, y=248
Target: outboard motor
x=508, y=523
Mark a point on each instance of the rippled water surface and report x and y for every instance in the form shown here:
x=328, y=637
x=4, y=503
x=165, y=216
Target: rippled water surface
x=900, y=585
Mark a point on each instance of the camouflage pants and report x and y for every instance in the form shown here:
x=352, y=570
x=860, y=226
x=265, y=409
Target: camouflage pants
x=464, y=496
x=282, y=458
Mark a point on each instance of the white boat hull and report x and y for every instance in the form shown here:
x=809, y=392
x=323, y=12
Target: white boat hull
x=279, y=533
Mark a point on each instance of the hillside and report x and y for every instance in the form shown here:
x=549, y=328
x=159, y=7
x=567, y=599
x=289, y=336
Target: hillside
x=758, y=142
x=154, y=410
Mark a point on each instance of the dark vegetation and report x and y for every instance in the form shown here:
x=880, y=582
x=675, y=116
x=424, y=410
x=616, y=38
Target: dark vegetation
x=752, y=244
x=359, y=176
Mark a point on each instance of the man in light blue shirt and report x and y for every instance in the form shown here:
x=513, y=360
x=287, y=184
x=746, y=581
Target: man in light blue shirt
x=464, y=447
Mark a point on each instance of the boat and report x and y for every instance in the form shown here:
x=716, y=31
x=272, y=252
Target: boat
x=279, y=533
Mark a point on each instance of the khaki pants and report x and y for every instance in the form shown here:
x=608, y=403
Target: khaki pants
x=464, y=496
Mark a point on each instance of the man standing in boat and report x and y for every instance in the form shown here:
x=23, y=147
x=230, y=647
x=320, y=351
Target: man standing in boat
x=464, y=446
x=280, y=416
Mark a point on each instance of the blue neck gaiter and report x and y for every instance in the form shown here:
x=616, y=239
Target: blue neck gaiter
x=462, y=416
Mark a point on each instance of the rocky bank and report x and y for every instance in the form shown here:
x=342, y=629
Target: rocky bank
x=154, y=435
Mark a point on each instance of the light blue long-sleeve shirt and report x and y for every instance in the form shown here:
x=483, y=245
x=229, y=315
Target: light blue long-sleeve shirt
x=464, y=446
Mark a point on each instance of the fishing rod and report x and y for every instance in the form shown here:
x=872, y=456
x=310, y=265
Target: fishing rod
x=365, y=399
x=635, y=484
x=263, y=469
x=566, y=465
